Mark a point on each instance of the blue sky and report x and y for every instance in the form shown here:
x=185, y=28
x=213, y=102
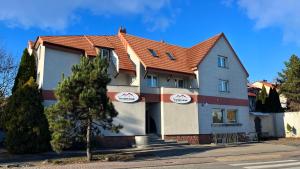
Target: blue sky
x=262, y=35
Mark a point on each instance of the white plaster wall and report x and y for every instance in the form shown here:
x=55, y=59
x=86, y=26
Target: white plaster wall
x=40, y=64
x=57, y=63
x=209, y=73
x=267, y=124
x=179, y=118
x=206, y=121
x=131, y=115
x=291, y=118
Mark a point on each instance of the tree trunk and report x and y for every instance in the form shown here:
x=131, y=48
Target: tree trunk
x=88, y=140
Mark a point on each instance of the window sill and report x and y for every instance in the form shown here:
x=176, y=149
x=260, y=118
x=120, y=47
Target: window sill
x=225, y=124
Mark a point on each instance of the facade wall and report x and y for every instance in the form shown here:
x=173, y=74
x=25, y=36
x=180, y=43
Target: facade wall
x=206, y=121
x=57, y=63
x=208, y=76
x=209, y=73
x=179, y=118
x=283, y=119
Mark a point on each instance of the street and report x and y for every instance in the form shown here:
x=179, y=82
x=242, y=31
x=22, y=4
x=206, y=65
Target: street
x=273, y=164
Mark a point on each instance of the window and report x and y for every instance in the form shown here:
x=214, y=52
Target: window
x=153, y=53
x=151, y=81
x=222, y=61
x=217, y=115
x=105, y=53
x=179, y=83
x=223, y=86
x=171, y=56
x=231, y=116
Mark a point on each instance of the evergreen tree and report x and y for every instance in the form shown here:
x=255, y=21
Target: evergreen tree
x=82, y=103
x=289, y=82
x=263, y=94
x=24, y=121
x=27, y=69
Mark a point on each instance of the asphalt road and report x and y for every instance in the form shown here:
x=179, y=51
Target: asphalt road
x=289, y=163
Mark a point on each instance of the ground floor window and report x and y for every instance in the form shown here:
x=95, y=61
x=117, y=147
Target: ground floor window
x=231, y=116
x=217, y=115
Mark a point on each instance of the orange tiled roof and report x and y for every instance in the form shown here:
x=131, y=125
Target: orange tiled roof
x=141, y=46
x=88, y=44
x=186, y=59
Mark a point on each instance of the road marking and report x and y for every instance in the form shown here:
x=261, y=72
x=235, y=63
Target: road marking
x=273, y=165
x=258, y=163
x=293, y=168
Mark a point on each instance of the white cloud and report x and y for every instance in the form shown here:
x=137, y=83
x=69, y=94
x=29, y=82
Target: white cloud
x=57, y=15
x=283, y=14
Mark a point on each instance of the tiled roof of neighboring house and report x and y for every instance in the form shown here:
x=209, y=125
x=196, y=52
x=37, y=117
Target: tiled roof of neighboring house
x=186, y=59
x=267, y=84
x=251, y=94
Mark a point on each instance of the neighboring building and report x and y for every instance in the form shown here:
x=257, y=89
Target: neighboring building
x=252, y=93
x=175, y=92
x=268, y=86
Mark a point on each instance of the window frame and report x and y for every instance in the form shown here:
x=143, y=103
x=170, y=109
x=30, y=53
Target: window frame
x=225, y=61
x=236, y=116
x=152, y=81
x=220, y=86
x=153, y=52
x=222, y=111
x=177, y=83
x=170, y=55
x=102, y=51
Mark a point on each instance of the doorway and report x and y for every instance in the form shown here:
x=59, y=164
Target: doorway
x=152, y=118
x=258, y=130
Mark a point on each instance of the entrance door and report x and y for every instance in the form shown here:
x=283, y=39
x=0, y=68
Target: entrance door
x=257, y=122
x=150, y=122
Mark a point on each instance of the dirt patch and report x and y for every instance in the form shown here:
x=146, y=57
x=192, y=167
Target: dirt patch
x=285, y=141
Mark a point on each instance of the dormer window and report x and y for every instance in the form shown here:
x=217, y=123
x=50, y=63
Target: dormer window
x=170, y=55
x=105, y=53
x=153, y=53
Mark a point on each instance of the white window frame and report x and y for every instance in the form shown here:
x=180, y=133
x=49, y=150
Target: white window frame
x=153, y=84
x=102, y=51
x=222, y=113
x=236, y=116
x=222, y=61
x=223, y=85
x=177, y=83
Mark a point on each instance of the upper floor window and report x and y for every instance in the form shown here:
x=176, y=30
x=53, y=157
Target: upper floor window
x=105, y=53
x=223, y=86
x=223, y=61
x=152, y=81
x=153, y=53
x=170, y=55
x=179, y=83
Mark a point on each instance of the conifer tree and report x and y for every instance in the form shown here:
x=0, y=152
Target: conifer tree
x=289, y=82
x=25, y=124
x=27, y=69
x=82, y=103
x=263, y=94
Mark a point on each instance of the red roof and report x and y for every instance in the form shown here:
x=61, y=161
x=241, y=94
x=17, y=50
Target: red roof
x=251, y=94
x=186, y=59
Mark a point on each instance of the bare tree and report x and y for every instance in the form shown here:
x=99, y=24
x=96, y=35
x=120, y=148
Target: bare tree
x=7, y=72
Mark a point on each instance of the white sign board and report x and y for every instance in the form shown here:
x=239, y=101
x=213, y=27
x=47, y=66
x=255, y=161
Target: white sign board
x=126, y=97
x=180, y=98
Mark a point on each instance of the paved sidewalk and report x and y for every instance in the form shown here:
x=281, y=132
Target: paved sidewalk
x=189, y=154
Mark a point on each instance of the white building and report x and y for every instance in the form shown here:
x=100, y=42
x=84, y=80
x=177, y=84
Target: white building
x=183, y=93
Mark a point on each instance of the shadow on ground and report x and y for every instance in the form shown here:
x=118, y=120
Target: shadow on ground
x=139, y=154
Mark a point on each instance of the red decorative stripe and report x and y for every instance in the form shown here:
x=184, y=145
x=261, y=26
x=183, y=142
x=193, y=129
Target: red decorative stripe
x=147, y=97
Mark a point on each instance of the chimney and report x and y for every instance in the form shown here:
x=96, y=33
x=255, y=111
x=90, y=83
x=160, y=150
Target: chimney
x=122, y=30
x=162, y=41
